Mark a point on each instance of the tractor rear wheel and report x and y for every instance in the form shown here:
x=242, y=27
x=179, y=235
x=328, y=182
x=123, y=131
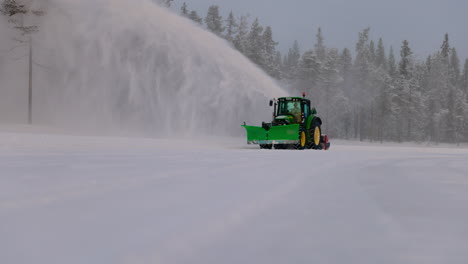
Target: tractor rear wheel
x=315, y=136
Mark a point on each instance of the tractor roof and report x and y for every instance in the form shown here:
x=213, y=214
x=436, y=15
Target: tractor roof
x=293, y=98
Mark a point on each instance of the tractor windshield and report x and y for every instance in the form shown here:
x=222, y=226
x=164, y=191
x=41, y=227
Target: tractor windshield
x=290, y=108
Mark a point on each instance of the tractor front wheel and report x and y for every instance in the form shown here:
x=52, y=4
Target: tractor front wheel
x=302, y=140
x=266, y=146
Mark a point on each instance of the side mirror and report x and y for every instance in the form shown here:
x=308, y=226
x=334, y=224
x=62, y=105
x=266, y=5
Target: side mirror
x=271, y=102
x=314, y=111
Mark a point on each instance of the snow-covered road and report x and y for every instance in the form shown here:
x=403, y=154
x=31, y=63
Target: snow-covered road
x=66, y=199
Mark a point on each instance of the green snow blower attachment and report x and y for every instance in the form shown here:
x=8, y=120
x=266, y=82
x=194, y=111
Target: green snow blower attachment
x=295, y=125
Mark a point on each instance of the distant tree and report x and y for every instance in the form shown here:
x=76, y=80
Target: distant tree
x=240, y=40
x=372, y=51
x=380, y=59
x=405, y=99
x=255, y=46
x=270, y=64
x=214, y=21
x=362, y=64
x=292, y=60
x=465, y=78
x=405, y=61
x=231, y=27
x=319, y=46
x=11, y=8
x=195, y=17
x=309, y=70
x=346, y=62
x=392, y=68
x=279, y=64
x=454, y=68
x=16, y=10
x=183, y=10
x=329, y=80
x=166, y=3
x=445, y=48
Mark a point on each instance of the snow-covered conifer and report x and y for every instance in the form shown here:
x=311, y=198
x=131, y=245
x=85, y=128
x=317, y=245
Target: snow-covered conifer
x=269, y=53
x=255, y=45
x=240, y=40
x=319, y=46
x=454, y=68
x=231, y=27
x=445, y=48
x=372, y=51
x=380, y=59
x=214, y=21
x=392, y=68
x=195, y=17
x=405, y=62
x=183, y=10
x=465, y=78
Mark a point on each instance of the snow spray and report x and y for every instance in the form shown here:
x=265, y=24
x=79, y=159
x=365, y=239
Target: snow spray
x=133, y=67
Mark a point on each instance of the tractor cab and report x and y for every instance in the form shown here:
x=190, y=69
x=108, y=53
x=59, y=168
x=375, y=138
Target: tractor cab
x=291, y=110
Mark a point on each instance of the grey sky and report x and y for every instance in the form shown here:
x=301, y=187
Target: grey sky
x=422, y=22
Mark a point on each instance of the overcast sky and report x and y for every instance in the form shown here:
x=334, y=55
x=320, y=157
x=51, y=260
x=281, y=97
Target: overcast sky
x=422, y=22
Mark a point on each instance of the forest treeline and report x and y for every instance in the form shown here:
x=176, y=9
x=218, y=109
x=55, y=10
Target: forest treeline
x=370, y=92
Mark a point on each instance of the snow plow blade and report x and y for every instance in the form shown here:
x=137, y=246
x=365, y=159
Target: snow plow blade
x=288, y=134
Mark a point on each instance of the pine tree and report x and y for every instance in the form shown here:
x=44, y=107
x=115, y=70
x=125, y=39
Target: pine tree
x=11, y=8
x=294, y=55
x=380, y=59
x=346, y=61
x=441, y=94
x=361, y=72
x=445, y=48
x=279, y=64
x=465, y=78
x=16, y=11
x=454, y=69
x=255, y=45
x=372, y=51
x=240, y=40
x=269, y=52
x=292, y=61
x=363, y=60
x=166, y=3
x=214, y=21
x=464, y=89
x=404, y=65
x=183, y=10
x=319, y=46
x=195, y=17
x=329, y=80
x=345, y=68
x=405, y=89
x=392, y=68
x=231, y=27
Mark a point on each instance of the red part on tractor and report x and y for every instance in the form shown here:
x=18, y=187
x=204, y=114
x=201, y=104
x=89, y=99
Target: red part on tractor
x=326, y=143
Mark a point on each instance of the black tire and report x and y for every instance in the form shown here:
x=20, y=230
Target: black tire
x=266, y=146
x=302, y=139
x=315, y=142
x=280, y=146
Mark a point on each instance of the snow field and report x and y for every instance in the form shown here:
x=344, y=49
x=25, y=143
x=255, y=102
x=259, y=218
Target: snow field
x=70, y=199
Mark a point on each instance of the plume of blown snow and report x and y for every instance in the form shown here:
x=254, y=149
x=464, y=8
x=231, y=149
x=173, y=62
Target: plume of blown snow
x=133, y=67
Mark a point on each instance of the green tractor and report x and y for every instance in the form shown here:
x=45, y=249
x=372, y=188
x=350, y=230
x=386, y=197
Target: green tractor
x=294, y=126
